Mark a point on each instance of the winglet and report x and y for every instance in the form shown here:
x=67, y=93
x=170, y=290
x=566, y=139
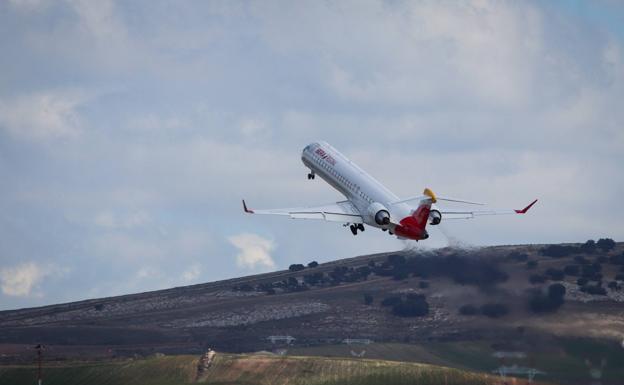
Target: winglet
x=246, y=209
x=524, y=210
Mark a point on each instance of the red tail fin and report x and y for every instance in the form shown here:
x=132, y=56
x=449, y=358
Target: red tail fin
x=421, y=215
x=413, y=227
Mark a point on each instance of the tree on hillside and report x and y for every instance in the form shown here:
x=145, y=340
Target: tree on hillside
x=296, y=267
x=605, y=244
x=550, y=302
x=411, y=306
x=589, y=246
x=558, y=251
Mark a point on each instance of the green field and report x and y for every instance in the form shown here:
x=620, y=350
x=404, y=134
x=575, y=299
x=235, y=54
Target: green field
x=444, y=363
x=227, y=369
x=171, y=370
x=567, y=360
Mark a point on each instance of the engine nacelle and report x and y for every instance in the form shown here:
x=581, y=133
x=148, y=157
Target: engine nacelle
x=380, y=213
x=435, y=217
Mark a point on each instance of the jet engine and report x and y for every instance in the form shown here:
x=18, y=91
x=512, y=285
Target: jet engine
x=380, y=213
x=435, y=217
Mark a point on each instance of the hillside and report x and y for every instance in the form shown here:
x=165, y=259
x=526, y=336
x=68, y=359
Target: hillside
x=487, y=300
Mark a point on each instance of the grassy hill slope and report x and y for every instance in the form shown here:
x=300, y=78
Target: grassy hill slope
x=229, y=369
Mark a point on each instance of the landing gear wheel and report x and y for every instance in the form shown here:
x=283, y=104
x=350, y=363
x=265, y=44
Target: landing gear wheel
x=354, y=229
x=311, y=176
x=360, y=227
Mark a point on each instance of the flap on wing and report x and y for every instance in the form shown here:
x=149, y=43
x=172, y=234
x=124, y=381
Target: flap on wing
x=344, y=212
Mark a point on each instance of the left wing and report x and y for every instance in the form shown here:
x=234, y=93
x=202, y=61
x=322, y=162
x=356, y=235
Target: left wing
x=477, y=213
x=343, y=211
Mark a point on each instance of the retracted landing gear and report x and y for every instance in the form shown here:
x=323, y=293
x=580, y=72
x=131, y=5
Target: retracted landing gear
x=311, y=176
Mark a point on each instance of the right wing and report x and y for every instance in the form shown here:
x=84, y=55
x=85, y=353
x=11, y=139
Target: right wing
x=456, y=214
x=343, y=211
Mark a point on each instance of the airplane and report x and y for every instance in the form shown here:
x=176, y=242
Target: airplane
x=371, y=203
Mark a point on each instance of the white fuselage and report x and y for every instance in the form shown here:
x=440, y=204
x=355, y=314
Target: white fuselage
x=364, y=191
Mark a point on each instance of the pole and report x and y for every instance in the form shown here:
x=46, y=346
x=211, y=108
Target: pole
x=39, y=371
x=39, y=358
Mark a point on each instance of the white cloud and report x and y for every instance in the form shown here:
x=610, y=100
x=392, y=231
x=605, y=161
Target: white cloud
x=43, y=115
x=192, y=273
x=110, y=220
x=254, y=251
x=21, y=280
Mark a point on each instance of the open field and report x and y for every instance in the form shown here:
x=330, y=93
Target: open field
x=174, y=370
x=228, y=369
x=563, y=361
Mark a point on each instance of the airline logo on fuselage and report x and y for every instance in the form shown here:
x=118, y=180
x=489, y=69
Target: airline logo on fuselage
x=320, y=152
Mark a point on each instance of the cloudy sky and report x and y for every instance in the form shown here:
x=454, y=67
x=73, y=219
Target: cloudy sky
x=129, y=131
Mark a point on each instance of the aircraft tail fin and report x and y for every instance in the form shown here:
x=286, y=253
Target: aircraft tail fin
x=421, y=215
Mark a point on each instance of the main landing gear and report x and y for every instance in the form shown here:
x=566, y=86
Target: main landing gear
x=311, y=176
x=354, y=228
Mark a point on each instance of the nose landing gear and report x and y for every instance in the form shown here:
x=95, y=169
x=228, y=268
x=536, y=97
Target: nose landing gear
x=311, y=176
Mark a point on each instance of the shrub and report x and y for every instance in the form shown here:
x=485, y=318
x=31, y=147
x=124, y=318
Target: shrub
x=537, y=278
x=619, y=277
x=296, y=267
x=555, y=274
x=368, y=299
x=550, y=302
x=468, y=310
x=391, y=301
x=572, y=270
x=556, y=292
x=494, y=310
x=602, y=259
x=558, y=251
x=581, y=281
x=581, y=260
x=589, y=246
x=594, y=290
x=531, y=265
x=423, y=284
x=313, y=279
x=605, y=244
x=590, y=271
x=99, y=307
x=613, y=285
x=313, y=264
x=412, y=306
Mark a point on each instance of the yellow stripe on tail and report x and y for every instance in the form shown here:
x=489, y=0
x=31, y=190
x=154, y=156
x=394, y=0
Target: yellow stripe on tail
x=430, y=194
